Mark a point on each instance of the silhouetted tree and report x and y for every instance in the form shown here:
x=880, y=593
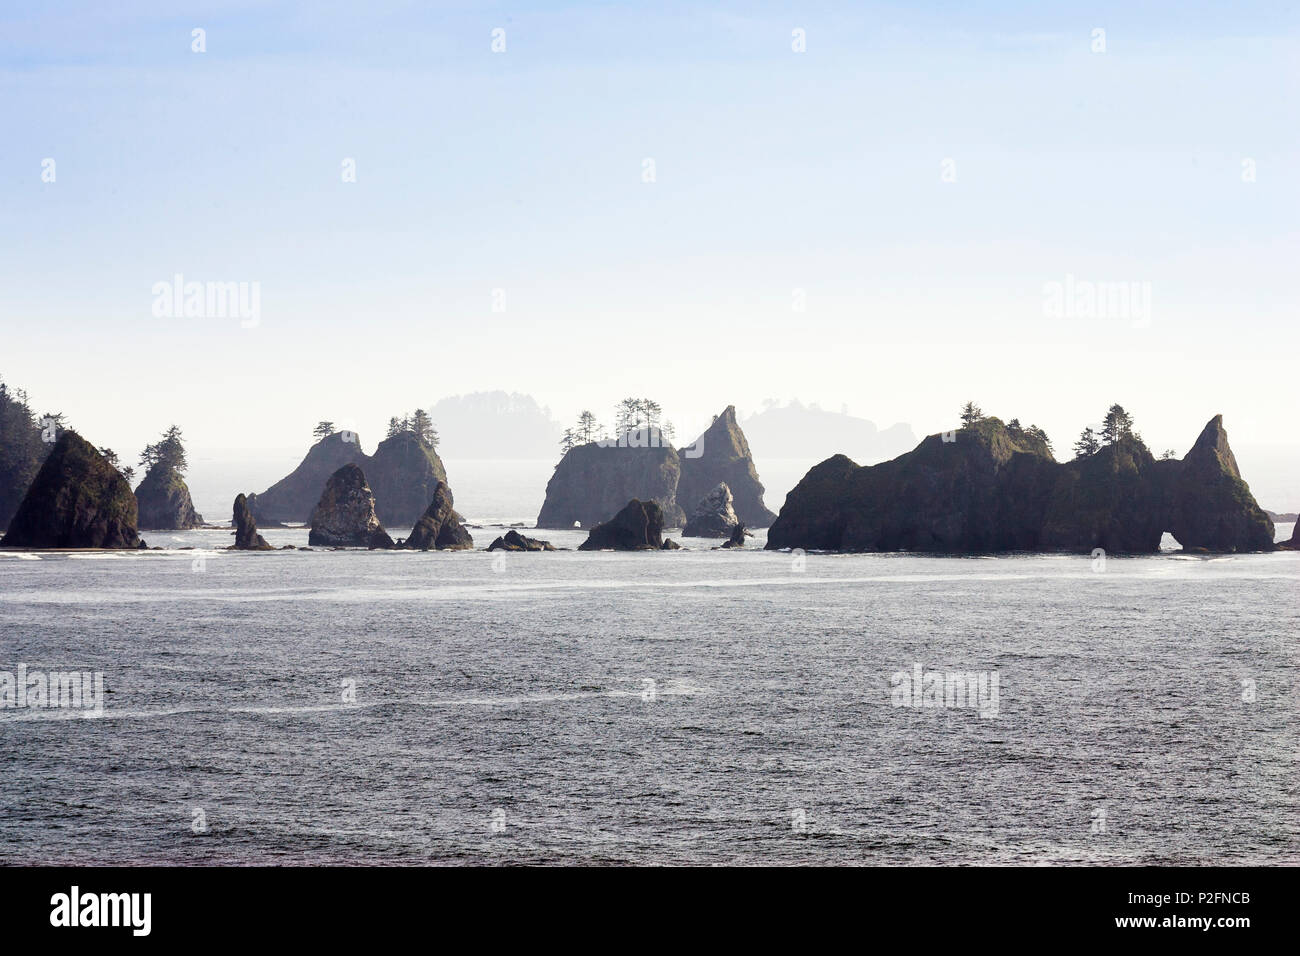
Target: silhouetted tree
x=168, y=451
x=323, y=430
x=971, y=414
x=1118, y=424
x=1087, y=444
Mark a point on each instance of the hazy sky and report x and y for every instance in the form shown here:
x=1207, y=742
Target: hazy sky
x=774, y=171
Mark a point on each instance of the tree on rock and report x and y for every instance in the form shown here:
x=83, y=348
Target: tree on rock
x=1087, y=444
x=971, y=414
x=323, y=430
x=1117, y=425
x=168, y=451
x=588, y=431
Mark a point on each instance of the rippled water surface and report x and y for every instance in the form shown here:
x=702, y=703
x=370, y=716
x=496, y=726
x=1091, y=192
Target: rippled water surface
x=504, y=707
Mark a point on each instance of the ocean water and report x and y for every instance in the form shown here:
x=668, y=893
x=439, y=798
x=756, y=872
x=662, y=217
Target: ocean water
x=700, y=706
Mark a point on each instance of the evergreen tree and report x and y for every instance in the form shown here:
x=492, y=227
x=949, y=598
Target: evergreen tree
x=567, y=442
x=168, y=451
x=323, y=430
x=22, y=450
x=422, y=425
x=1087, y=444
x=588, y=430
x=1117, y=425
x=971, y=414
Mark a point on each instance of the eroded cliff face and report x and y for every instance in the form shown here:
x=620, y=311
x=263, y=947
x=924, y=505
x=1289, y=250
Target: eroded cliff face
x=1211, y=506
x=403, y=473
x=440, y=526
x=77, y=500
x=344, y=516
x=292, y=498
x=722, y=455
x=989, y=490
x=163, y=501
x=594, y=482
x=714, y=515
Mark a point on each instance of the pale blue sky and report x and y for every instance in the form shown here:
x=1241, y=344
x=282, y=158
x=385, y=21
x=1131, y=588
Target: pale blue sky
x=775, y=171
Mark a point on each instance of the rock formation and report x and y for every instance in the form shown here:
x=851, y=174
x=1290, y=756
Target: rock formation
x=293, y=497
x=163, y=501
x=246, y=536
x=714, y=516
x=76, y=500
x=638, y=527
x=344, y=516
x=670, y=545
x=440, y=526
x=514, y=541
x=721, y=455
x=404, y=473
x=1211, y=506
x=737, y=539
x=992, y=489
x=593, y=481
x=22, y=450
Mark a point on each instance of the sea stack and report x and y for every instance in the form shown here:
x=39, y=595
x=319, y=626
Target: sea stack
x=593, y=481
x=405, y=473
x=440, y=526
x=737, y=539
x=721, y=456
x=714, y=516
x=163, y=501
x=345, y=515
x=246, y=536
x=77, y=500
x=1212, y=507
x=292, y=497
x=638, y=527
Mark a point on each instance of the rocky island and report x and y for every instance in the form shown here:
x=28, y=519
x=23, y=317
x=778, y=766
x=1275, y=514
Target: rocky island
x=714, y=516
x=992, y=487
x=345, y=517
x=440, y=527
x=77, y=500
x=246, y=536
x=637, y=527
x=403, y=472
x=722, y=456
x=595, y=479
